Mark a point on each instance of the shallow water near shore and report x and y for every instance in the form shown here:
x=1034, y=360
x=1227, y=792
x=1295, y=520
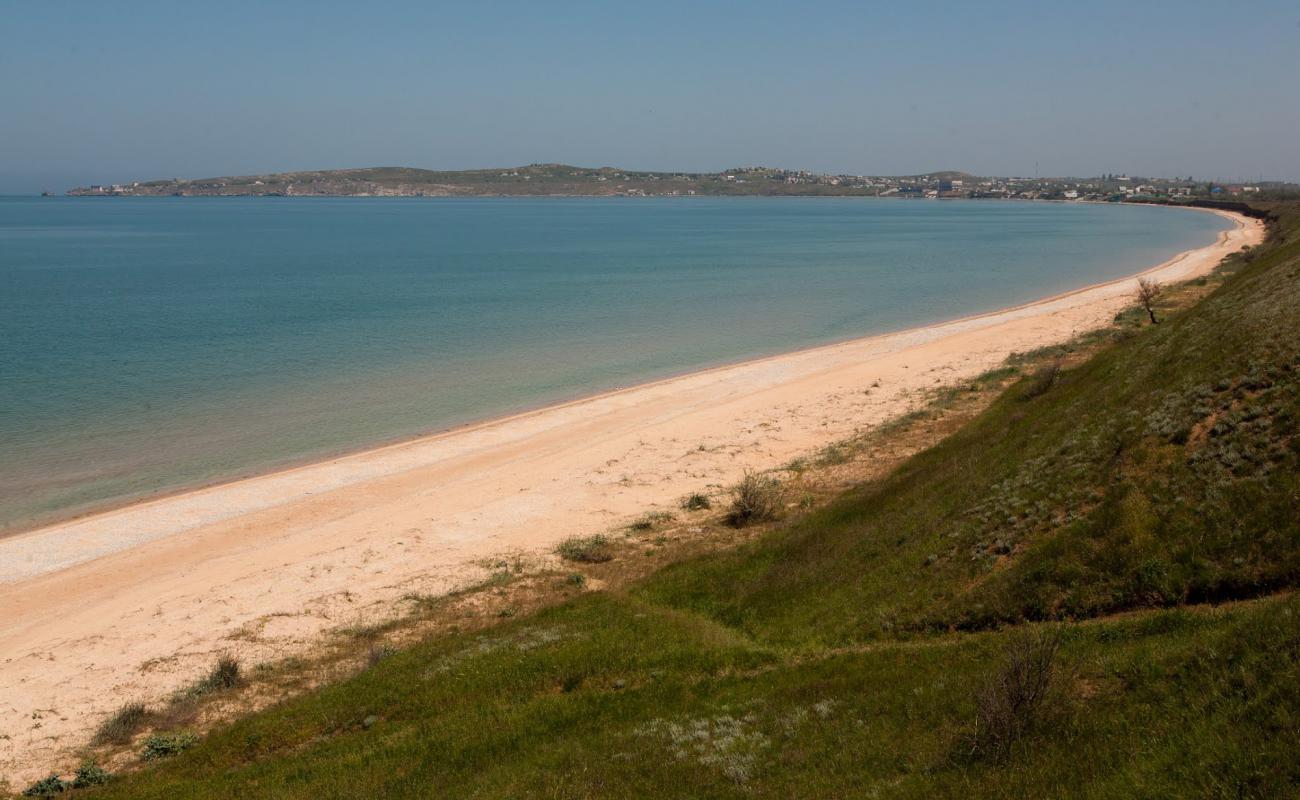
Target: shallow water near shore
x=150, y=344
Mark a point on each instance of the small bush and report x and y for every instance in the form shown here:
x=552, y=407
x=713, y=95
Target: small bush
x=125, y=722
x=1148, y=293
x=594, y=549
x=1012, y=701
x=696, y=501
x=46, y=787
x=90, y=774
x=756, y=498
x=1044, y=378
x=165, y=745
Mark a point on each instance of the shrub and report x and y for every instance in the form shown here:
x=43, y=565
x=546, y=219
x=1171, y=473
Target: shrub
x=46, y=787
x=1148, y=292
x=164, y=745
x=125, y=722
x=756, y=498
x=696, y=501
x=594, y=549
x=1044, y=378
x=1012, y=700
x=90, y=774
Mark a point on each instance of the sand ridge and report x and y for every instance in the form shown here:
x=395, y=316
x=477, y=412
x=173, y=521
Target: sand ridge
x=132, y=603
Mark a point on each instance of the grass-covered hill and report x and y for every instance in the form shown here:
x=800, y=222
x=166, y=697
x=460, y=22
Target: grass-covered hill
x=1084, y=592
x=534, y=179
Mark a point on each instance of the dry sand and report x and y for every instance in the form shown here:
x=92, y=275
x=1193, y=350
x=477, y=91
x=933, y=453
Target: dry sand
x=132, y=603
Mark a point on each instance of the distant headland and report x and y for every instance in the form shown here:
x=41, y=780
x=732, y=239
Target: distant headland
x=566, y=180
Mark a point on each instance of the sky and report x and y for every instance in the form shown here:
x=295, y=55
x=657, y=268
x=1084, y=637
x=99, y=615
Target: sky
x=94, y=92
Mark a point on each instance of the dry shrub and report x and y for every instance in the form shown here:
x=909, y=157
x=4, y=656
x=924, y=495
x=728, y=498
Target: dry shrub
x=1044, y=378
x=1148, y=292
x=756, y=498
x=1014, y=699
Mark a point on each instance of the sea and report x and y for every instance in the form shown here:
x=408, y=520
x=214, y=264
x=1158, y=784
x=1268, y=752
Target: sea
x=153, y=344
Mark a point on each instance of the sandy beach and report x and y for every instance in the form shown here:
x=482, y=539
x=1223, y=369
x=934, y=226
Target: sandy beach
x=132, y=603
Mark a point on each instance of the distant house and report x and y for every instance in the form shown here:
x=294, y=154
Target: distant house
x=1071, y=194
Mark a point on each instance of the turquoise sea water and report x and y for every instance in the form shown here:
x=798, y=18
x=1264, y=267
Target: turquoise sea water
x=148, y=344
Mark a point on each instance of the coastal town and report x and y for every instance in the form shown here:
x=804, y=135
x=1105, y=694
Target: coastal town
x=565, y=180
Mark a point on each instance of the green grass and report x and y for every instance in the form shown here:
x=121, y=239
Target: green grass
x=847, y=652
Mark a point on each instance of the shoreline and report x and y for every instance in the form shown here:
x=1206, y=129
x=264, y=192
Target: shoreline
x=290, y=554
x=112, y=506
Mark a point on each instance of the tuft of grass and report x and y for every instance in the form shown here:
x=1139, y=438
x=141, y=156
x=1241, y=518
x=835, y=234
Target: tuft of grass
x=166, y=745
x=594, y=549
x=227, y=673
x=650, y=520
x=757, y=498
x=696, y=501
x=125, y=723
x=834, y=455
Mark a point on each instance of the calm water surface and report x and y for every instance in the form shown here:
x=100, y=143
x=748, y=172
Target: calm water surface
x=147, y=344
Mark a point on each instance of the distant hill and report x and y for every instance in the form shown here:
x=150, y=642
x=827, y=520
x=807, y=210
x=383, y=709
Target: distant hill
x=574, y=181
x=534, y=179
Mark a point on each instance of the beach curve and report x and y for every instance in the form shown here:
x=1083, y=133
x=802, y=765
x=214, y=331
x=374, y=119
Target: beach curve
x=86, y=601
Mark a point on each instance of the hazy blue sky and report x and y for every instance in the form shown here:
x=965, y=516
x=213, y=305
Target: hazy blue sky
x=111, y=91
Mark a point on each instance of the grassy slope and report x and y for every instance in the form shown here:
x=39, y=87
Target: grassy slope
x=841, y=654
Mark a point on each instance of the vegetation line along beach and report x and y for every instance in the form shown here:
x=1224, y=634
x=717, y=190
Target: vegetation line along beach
x=266, y=565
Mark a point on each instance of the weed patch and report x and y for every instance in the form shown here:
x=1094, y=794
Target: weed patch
x=122, y=725
x=594, y=549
